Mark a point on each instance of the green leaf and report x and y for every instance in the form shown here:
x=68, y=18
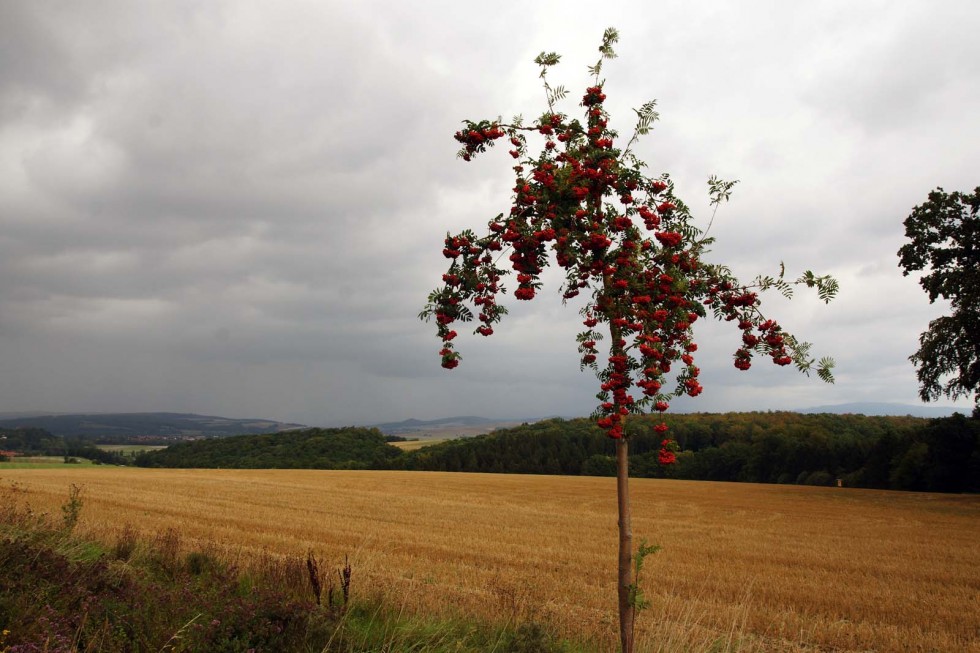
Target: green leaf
x=609, y=37
x=547, y=59
x=824, y=368
x=720, y=190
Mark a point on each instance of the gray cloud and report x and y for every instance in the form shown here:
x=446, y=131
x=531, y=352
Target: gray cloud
x=231, y=209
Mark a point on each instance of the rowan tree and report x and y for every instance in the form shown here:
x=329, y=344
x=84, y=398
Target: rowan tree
x=944, y=235
x=631, y=250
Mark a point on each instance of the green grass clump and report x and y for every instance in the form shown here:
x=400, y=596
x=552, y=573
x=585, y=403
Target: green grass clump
x=43, y=462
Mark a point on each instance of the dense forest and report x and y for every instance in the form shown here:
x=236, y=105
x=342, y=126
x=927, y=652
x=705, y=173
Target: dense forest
x=901, y=453
x=339, y=448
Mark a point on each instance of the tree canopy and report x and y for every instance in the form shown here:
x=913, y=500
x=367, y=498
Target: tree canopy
x=337, y=448
x=630, y=247
x=944, y=241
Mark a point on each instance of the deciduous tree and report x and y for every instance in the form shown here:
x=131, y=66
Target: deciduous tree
x=630, y=247
x=944, y=240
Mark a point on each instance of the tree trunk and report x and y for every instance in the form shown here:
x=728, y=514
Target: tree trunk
x=627, y=612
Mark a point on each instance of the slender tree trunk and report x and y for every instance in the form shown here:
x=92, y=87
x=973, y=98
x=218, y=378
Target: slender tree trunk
x=627, y=612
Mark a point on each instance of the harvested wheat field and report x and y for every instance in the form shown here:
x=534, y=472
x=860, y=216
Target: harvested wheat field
x=744, y=567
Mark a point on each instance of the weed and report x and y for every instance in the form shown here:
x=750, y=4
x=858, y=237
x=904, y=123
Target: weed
x=313, y=570
x=125, y=543
x=71, y=509
x=166, y=551
x=345, y=575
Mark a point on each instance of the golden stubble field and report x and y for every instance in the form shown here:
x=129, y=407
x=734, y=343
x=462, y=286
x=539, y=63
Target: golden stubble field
x=777, y=568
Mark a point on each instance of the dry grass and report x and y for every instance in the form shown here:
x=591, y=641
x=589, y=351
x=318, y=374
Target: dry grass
x=131, y=448
x=412, y=445
x=744, y=567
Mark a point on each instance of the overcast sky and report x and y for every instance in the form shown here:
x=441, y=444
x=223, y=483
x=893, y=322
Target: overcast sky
x=236, y=207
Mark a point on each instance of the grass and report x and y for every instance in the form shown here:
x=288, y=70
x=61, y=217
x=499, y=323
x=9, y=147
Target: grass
x=130, y=449
x=744, y=567
x=412, y=445
x=43, y=462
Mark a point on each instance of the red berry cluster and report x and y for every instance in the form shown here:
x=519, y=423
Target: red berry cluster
x=593, y=96
x=472, y=278
x=476, y=137
x=639, y=283
x=732, y=303
x=616, y=233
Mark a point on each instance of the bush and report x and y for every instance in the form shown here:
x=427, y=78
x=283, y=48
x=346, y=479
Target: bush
x=819, y=478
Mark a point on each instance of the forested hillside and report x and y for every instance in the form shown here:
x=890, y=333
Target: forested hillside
x=143, y=427
x=904, y=453
x=338, y=448
x=38, y=442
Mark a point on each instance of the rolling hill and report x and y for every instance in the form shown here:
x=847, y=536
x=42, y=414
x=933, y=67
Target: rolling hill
x=120, y=427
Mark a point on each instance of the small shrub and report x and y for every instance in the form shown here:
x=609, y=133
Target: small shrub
x=532, y=637
x=125, y=543
x=166, y=552
x=71, y=509
x=202, y=563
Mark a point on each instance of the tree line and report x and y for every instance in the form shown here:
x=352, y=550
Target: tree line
x=32, y=441
x=900, y=453
x=335, y=448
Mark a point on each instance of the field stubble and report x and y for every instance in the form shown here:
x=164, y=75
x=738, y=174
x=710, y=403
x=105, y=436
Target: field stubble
x=752, y=567
x=412, y=445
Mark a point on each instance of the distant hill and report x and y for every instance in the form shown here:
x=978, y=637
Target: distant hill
x=872, y=408
x=418, y=424
x=473, y=425
x=466, y=425
x=119, y=427
x=27, y=413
